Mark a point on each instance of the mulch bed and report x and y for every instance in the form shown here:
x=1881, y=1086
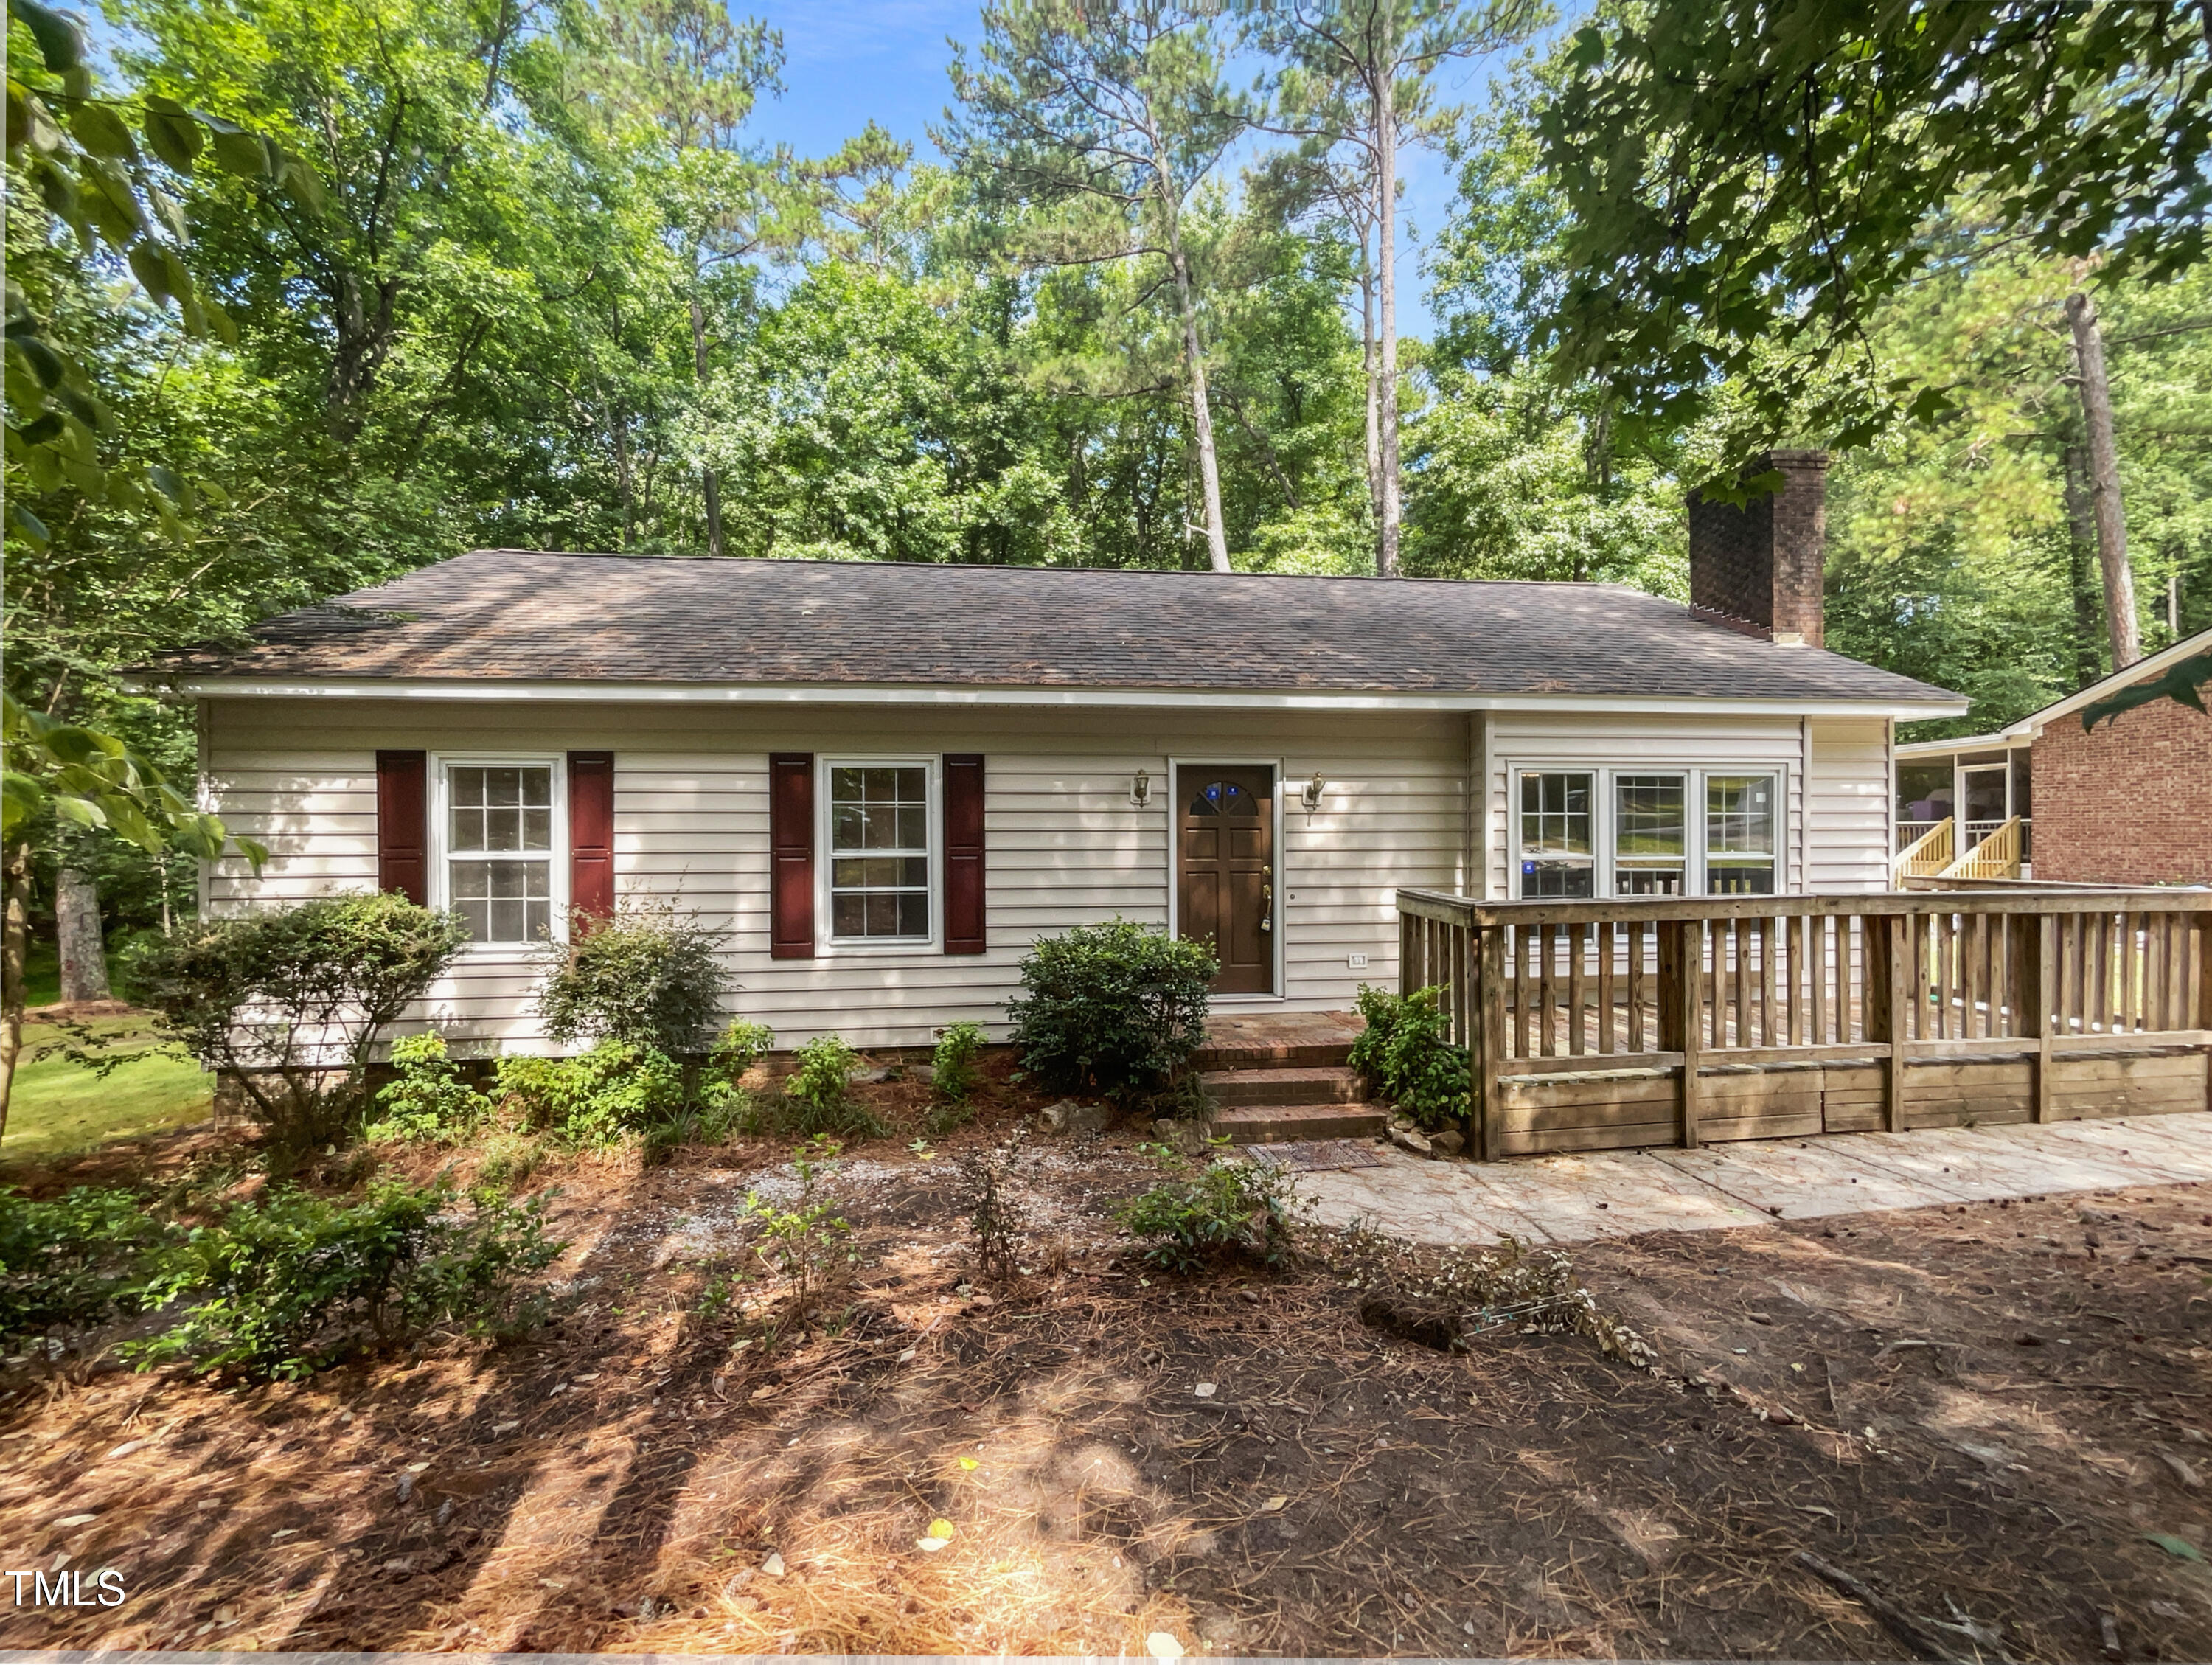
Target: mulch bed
x=1240, y=1462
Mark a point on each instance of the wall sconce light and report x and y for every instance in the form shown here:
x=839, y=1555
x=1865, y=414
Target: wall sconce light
x=1311, y=796
x=1140, y=789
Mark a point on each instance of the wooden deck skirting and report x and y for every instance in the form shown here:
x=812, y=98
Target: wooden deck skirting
x=1601, y=1025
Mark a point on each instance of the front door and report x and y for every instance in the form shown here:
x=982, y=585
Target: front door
x=1226, y=873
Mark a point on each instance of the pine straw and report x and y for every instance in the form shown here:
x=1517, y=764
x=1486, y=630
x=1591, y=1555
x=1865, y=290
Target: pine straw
x=1557, y=1502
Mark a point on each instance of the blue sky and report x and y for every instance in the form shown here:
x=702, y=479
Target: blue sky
x=858, y=59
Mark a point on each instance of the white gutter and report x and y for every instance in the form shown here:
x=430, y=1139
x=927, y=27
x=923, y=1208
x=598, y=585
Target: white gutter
x=1139, y=698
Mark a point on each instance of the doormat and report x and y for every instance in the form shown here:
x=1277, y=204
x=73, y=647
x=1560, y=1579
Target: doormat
x=1317, y=1155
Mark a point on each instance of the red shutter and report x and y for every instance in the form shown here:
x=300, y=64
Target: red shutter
x=403, y=862
x=963, y=853
x=791, y=855
x=592, y=833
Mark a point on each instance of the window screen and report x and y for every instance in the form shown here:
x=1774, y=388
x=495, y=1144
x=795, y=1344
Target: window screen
x=1740, y=835
x=499, y=849
x=1557, y=856
x=879, y=851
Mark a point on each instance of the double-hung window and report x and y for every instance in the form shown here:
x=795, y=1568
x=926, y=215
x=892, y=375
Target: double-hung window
x=1557, y=844
x=499, y=854
x=1647, y=832
x=879, y=852
x=1740, y=835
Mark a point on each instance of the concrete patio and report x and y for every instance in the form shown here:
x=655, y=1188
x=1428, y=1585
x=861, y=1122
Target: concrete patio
x=1573, y=1198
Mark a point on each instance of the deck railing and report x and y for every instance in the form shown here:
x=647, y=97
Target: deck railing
x=1927, y=855
x=1675, y=1020
x=1994, y=853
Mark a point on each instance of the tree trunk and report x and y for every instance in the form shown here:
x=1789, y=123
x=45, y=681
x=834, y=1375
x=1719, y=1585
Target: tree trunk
x=2080, y=547
x=1201, y=412
x=710, y=487
x=2104, y=483
x=76, y=928
x=1386, y=370
x=14, y=940
x=1374, y=404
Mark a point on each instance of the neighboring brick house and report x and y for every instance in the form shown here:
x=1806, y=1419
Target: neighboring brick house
x=2128, y=804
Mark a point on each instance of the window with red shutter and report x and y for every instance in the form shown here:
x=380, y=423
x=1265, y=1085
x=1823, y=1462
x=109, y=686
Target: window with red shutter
x=592, y=833
x=791, y=855
x=403, y=861
x=963, y=853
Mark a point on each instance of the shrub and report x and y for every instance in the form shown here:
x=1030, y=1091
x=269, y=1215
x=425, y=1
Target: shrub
x=1119, y=1007
x=953, y=1074
x=292, y=1001
x=293, y=1283
x=739, y=1046
x=83, y=1257
x=817, y=1099
x=993, y=1217
x=509, y=1160
x=428, y=1100
x=1230, y=1208
x=597, y=1100
x=804, y=1241
x=645, y=977
x=1404, y=1056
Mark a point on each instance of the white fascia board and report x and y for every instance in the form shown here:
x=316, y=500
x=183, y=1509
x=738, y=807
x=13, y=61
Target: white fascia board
x=1136, y=698
x=2036, y=721
x=2004, y=741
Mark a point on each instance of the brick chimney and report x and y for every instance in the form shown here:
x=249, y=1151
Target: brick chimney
x=1759, y=567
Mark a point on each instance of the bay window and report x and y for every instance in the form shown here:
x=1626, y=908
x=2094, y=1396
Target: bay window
x=1647, y=832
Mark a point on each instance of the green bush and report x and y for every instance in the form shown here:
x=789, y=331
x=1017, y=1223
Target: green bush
x=292, y=1001
x=1229, y=1209
x=86, y=1256
x=1405, y=1060
x=427, y=1101
x=803, y=1240
x=646, y=977
x=739, y=1046
x=818, y=1100
x=953, y=1074
x=292, y=1282
x=597, y=1100
x=1118, y=1008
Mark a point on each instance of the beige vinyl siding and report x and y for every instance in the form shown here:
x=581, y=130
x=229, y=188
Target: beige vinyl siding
x=1847, y=804
x=1064, y=845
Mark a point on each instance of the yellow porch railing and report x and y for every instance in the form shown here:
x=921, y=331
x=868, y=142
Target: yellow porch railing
x=1996, y=856
x=1928, y=854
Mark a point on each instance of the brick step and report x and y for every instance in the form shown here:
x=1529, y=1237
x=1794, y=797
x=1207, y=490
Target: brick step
x=1327, y=1084
x=1275, y=1056
x=1273, y=1124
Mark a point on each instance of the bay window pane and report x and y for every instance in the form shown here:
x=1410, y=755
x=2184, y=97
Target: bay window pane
x=1650, y=835
x=1739, y=817
x=1557, y=835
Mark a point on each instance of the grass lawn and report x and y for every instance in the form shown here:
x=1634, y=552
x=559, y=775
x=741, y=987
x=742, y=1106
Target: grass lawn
x=56, y=1106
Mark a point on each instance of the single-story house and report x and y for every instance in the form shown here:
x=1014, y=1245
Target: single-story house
x=2129, y=803
x=881, y=782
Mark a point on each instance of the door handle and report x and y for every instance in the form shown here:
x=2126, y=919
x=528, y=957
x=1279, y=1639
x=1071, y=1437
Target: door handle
x=1266, y=906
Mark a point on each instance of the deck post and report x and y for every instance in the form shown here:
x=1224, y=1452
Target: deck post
x=1681, y=1013
x=1884, y=943
x=1486, y=1042
x=2035, y=974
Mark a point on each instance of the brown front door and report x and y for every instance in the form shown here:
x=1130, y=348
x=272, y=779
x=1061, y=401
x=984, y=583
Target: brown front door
x=1225, y=873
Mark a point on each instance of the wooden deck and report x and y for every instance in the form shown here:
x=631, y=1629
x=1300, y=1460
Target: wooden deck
x=1601, y=1025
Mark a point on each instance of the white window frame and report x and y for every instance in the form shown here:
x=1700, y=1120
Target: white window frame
x=441, y=766
x=830, y=943
x=1602, y=775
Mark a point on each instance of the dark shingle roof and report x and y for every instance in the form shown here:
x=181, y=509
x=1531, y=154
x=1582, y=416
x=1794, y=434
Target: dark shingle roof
x=512, y=615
